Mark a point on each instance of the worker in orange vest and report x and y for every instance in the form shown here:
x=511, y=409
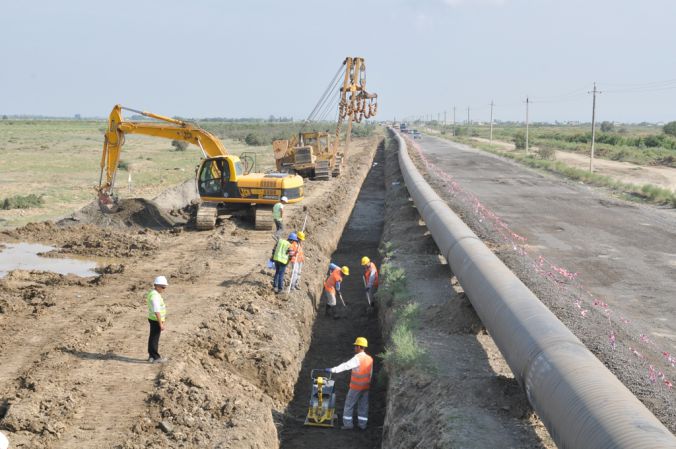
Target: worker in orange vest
x=297, y=260
x=370, y=276
x=360, y=382
x=332, y=287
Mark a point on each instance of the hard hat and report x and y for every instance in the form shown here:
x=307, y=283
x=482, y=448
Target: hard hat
x=345, y=270
x=361, y=341
x=365, y=260
x=284, y=199
x=4, y=442
x=301, y=235
x=293, y=237
x=160, y=280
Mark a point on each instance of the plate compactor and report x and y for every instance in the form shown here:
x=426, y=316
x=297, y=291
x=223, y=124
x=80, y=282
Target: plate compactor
x=321, y=411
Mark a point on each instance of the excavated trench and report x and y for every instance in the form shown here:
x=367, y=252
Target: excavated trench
x=331, y=341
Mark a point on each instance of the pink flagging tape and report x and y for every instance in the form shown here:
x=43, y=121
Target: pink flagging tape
x=562, y=279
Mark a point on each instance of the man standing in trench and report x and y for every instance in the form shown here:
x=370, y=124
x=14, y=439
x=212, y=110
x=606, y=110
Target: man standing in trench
x=332, y=287
x=360, y=381
x=157, y=314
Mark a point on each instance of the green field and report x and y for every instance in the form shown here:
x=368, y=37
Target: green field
x=59, y=161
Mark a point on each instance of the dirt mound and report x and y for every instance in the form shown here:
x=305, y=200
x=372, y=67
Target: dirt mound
x=88, y=239
x=132, y=213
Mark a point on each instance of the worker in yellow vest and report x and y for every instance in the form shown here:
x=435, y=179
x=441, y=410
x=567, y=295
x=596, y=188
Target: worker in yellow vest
x=157, y=315
x=360, y=382
x=280, y=256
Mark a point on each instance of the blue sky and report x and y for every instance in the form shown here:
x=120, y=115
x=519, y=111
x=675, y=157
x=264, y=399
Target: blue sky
x=205, y=58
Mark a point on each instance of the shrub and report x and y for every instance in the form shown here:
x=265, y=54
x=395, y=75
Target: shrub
x=22, y=202
x=670, y=128
x=253, y=140
x=607, y=126
x=123, y=165
x=546, y=152
x=519, y=140
x=179, y=145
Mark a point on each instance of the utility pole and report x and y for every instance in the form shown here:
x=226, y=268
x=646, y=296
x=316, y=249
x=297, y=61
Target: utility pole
x=445, y=122
x=527, y=103
x=438, y=117
x=453, y=121
x=591, y=155
x=491, y=122
x=468, y=122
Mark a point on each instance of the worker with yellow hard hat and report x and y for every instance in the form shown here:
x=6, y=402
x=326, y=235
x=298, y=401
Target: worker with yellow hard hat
x=332, y=287
x=360, y=382
x=297, y=260
x=370, y=278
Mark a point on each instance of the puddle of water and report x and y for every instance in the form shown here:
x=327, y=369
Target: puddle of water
x=24, y=256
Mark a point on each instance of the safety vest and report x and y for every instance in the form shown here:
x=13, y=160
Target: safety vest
x=300, y=257
x=277, y=211
x=367, y=274
x=360, y=379
x=281, y=254
x=163, y=309
x=293, y=252
x=330, y=282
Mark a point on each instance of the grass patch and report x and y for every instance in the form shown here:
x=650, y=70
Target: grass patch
x=404, y=351
x=22, y=202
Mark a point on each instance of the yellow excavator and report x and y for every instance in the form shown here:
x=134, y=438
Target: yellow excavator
x=314, y=154
x=222, y=183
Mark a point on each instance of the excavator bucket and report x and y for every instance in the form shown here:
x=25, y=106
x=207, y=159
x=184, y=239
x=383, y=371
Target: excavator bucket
x=108, y=203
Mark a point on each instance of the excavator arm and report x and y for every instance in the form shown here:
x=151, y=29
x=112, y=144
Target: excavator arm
x=167, y=128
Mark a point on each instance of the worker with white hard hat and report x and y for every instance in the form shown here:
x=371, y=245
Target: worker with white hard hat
x=278, y=215
x=157, y=315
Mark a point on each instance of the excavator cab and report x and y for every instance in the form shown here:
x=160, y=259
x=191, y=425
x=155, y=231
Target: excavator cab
x=218, y=176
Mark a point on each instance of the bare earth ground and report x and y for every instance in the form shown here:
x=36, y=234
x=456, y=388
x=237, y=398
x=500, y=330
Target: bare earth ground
x=620, y=300
x=73, y=370
x=623, y=171
x=467, y=397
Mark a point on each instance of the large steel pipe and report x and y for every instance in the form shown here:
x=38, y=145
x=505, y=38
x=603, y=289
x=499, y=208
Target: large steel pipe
x=579, y=400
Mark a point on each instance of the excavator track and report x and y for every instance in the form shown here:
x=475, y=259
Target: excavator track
x=263, y=219
x=322, y=170
x=337, y=166
x=205, y=219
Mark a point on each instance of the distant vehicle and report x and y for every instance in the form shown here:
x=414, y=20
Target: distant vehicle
x=403, y=127
x=416, y=134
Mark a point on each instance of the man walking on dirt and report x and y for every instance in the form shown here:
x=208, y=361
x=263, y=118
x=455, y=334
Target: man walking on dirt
x=360, y=382
x=332, y=286
x=278, y=215
x=157, y=314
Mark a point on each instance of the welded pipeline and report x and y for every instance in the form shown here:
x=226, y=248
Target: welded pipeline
x=582, y=404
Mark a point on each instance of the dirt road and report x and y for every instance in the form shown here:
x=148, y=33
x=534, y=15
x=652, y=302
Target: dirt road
x=607, y=268
x=73, y=369
x=623, y=171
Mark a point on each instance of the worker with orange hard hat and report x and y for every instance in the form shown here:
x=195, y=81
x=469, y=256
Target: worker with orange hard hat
x=360, y=382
